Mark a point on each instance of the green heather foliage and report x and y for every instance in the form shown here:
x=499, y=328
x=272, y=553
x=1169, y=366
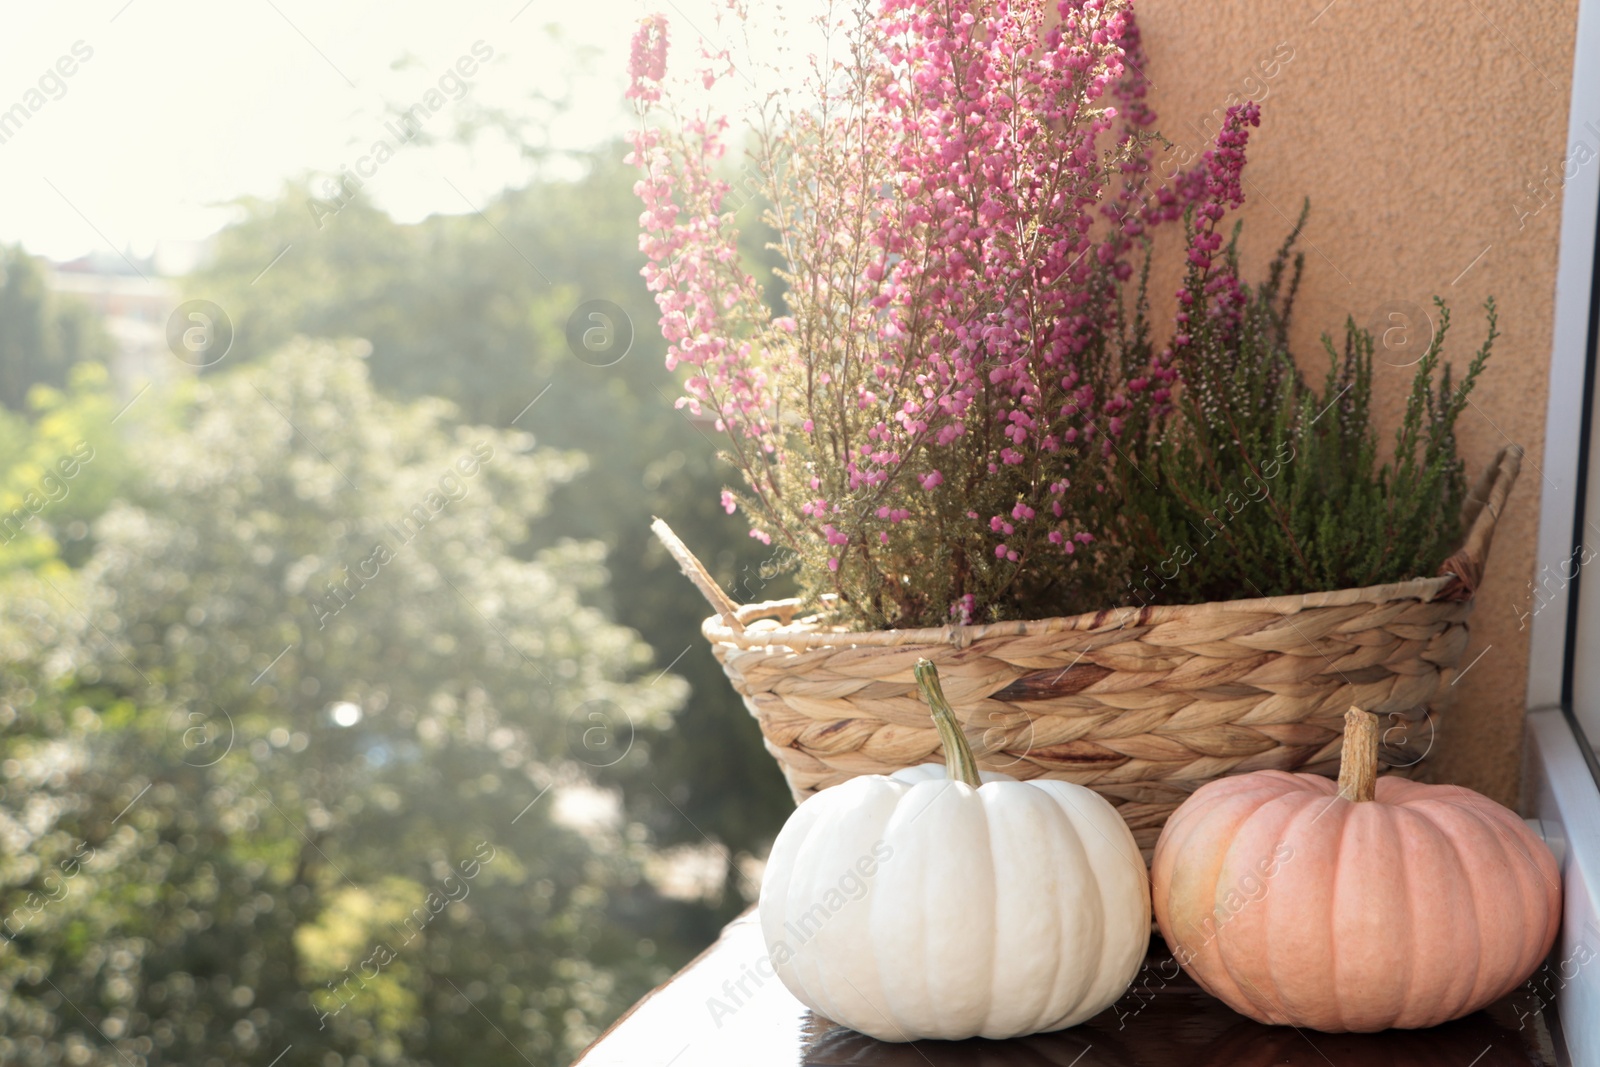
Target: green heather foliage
x=1262, y=485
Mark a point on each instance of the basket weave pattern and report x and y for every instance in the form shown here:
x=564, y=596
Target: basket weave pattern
x=1141, y=704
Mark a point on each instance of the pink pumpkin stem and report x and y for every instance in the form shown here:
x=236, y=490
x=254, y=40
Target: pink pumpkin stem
x=1358, y=759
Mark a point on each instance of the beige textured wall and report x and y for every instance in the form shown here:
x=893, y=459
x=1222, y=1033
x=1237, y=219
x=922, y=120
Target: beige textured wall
x=1415, y=128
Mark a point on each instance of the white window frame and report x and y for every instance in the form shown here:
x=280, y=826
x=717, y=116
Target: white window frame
x=1554, y=678
x=1561, y=780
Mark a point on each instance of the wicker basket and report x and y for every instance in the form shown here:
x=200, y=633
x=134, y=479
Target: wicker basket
x=1141, y=704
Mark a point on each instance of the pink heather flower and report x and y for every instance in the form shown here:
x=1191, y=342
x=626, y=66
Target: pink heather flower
x=728, y=503
x=647, y=59
x=762, y=536
x=971, y=236
x=1219, y=181
x=964, y=609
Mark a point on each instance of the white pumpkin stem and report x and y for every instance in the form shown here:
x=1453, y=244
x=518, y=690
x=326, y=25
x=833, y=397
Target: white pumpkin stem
x=960, y=765
x=1358, y=759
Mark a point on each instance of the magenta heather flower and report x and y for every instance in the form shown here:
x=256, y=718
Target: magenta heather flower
x=1218, y=292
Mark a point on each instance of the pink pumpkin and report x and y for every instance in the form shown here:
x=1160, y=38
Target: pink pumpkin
x=1361, y=906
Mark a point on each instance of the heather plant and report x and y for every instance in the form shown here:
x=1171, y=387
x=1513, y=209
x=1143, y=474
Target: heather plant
x=1259, y=484
x=925, y=421
x=949, y=407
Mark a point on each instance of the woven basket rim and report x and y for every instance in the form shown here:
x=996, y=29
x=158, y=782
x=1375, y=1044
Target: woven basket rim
x=1457, y=580
x=807, y=632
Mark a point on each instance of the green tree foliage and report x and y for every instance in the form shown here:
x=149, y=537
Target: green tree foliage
x=474, y=308
x=59, y=471
x=41, y=335
x=275, y=757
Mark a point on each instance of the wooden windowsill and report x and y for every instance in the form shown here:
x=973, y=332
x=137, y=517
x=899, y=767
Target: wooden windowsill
x=702, y=1018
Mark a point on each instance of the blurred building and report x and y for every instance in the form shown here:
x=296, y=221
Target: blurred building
x=134, y=302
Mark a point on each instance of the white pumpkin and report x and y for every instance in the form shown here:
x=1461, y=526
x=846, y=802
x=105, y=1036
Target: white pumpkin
x=923, y=904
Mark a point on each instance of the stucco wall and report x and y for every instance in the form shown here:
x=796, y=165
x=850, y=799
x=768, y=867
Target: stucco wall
x=1415, y=128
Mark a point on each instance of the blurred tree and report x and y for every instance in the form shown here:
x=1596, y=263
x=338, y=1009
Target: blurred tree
x=275, y=759
x=59, y=472
x=41, y=335
x=475, y=308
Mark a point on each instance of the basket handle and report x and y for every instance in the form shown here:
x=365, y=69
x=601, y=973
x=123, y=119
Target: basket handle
x=696, y=572
x=1479, y=514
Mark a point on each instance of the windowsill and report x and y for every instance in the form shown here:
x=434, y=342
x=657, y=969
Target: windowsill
x=1563, y=796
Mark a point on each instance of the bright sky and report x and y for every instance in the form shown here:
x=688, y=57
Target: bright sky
x=184, y=105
